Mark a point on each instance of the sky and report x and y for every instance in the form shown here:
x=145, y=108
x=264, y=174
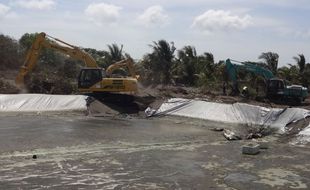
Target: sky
x=236, y=29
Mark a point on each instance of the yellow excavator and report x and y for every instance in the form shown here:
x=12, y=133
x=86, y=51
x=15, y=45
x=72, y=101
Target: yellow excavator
x=92, y=78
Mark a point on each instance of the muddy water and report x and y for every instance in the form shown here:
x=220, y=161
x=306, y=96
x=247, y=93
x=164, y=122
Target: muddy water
x=126, y=153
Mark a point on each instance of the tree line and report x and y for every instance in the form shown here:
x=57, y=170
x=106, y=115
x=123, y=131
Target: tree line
x=164, y=65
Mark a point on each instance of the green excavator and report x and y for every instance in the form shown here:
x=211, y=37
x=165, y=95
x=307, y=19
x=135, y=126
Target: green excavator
x=276, y=89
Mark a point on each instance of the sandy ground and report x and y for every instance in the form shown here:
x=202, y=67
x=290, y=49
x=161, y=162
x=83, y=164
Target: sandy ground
x=78, y=152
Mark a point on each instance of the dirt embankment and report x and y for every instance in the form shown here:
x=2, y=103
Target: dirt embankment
x=148, y=96
x=154, y=96
x=162, y=93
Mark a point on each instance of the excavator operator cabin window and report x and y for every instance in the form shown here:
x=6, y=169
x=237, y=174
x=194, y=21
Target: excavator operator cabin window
x=103, y=73
x=89, y=77
x=281, y=85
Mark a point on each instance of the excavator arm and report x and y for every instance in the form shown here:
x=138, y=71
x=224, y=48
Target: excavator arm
x=232, y=69
x=43, y=40
x=124, y=63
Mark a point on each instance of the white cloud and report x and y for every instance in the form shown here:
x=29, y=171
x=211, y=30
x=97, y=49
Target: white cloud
x=299, y=33
x=4, y=10
x=220, y=20
x=103, y=13
x=36, y=4
x=154, y=16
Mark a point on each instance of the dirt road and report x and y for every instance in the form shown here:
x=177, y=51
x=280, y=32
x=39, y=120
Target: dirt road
x=126, y=153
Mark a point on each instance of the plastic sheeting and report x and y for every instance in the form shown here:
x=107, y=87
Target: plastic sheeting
x=41, y=102
x=238, y=113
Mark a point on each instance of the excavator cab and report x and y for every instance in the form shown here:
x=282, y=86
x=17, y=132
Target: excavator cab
x=89, y=77
x=275, y=88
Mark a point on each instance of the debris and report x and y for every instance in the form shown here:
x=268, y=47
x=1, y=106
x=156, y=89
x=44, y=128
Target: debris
x=230, y=135
x=254, y=136
x=251, y=149
x=149, y=112
x=89, y=100
x=34, y=156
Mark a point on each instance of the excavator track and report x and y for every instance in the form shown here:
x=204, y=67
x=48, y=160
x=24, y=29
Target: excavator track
x=108, y=97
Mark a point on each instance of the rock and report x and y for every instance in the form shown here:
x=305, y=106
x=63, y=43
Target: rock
x=254, y=136
x=230, y=135
x=217, y=129
x=251, y=149
x=34, y=156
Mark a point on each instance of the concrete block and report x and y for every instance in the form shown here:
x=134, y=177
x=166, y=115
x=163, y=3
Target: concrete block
x=250, y=149
x=263, y=145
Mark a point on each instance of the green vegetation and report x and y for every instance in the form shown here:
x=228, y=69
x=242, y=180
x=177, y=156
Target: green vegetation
x=10, y=53
x=164, y=65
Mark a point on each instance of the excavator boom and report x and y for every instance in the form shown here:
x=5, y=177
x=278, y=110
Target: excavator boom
x=31, y=59
x=41, y=41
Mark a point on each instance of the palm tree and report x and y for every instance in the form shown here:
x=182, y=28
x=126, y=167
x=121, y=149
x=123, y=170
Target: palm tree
x=284, y=72
x=187, y=51
x=301, y=62
x=206, y=63
x=207, y=70
x=115, y=52
x=306, y=75
x=289, y=73
x=186, y=67
x=162, y=59
x=209, y=57
x=271, y=60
